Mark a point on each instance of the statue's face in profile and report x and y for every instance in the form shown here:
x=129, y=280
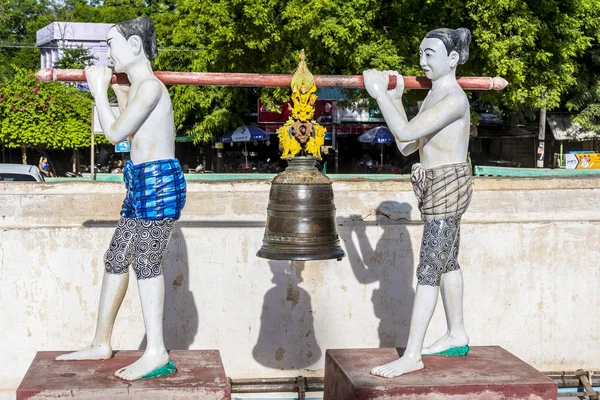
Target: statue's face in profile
x=434, y=58
x=121, y=51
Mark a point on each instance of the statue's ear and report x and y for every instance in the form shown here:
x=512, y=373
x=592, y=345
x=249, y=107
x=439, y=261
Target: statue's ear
x=135, y=42
x=454, y=58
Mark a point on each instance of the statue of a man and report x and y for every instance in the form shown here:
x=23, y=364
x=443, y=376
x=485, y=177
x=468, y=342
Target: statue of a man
x=442, y=184
x=156, y=193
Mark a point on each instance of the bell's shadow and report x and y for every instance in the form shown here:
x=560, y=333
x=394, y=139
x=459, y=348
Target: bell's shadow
x=180, y=314
x=287, y=337
x=391, y=263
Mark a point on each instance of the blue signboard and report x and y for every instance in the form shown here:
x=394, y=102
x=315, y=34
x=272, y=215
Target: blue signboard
x=122, y=147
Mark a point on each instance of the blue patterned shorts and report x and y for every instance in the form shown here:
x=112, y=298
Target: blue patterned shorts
x=156, y=190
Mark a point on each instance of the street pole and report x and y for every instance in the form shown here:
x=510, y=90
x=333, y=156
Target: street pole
x=92, y=155
x=541, y=136
x=334, y=147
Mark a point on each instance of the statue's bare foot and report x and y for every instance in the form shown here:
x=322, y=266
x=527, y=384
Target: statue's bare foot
x=148, y=362
x=92, y=352
x=446, y=342
x=404, y=365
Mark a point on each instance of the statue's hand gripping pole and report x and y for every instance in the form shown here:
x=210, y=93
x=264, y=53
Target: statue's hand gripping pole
x=270, y=80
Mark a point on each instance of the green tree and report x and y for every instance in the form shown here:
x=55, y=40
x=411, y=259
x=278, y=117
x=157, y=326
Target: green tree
x=535, y=44
x=77, y=57
x=539, y=46
x=257, y=36
x=586, y=96
x=49, y=115
x=18, y=25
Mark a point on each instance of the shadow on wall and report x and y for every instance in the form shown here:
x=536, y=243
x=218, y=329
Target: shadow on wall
x=287, y=337
x=391, y=263
x=181, y=315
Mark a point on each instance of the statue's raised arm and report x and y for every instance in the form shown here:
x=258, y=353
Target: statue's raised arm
x=134, y=112
x=444, y=114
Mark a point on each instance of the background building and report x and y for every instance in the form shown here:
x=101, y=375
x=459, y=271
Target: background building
x=56, y=36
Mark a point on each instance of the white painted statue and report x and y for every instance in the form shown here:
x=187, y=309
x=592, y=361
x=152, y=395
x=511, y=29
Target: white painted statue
x=442, y=184
x=156, y=194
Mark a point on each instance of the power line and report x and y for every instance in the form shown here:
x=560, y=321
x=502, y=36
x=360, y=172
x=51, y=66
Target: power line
x=32, y=46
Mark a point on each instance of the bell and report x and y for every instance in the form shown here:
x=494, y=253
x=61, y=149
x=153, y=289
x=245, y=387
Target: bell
x=301, y=222
x=301, y=215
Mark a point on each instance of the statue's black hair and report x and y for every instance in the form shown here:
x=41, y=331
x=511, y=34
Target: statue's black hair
x=455, y=40
x=144, y=28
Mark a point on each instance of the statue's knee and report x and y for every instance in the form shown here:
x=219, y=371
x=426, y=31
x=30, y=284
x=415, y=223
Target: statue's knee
x=115, y=262
x=147, y=267
x=452, y=265
x=428, y=275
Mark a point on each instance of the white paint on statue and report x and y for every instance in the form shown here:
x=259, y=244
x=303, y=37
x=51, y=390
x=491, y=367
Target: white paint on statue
x=146, y=122
x=440, y=132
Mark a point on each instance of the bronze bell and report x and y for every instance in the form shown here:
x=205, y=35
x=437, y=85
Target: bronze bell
x=301, y=215
x=301, y=222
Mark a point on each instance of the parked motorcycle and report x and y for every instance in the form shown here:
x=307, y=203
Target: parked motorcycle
x=269, y=167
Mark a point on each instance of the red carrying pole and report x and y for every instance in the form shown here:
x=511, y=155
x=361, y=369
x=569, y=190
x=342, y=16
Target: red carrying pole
x=269, y=80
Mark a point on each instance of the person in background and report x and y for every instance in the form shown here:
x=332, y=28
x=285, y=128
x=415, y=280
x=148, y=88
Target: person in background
x=118, y=169
x=44, y=167
x=326, y=116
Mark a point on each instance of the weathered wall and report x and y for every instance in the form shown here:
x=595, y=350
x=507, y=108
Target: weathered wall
x=529, y=250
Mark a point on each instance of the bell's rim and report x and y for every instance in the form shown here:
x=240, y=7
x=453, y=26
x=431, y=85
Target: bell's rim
x=273, y=255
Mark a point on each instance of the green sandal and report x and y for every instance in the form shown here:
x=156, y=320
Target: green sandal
x=165, y=370
x=452, y=352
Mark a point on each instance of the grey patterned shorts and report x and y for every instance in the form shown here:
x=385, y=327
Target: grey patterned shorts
x=141, y=243
x=439, y=250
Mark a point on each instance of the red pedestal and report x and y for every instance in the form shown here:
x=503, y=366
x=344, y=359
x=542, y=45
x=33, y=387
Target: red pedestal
x=200, y=375
x=487, y=373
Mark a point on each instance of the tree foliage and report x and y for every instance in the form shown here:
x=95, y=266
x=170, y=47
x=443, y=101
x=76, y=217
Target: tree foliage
x=537, y=45
x=77, y=57
x=585, y=97
x=544, y=48
x=266, y=36
x=50, y=115
x=18, y=24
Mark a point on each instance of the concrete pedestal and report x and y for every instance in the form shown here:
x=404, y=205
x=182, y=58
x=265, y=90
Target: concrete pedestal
x=487, y=373
x=200, y=375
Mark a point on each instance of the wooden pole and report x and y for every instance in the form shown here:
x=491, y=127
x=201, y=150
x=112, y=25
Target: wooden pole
x=269, y=80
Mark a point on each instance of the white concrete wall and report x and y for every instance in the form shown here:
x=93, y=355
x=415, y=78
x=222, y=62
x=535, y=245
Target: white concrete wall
x=529, y=255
